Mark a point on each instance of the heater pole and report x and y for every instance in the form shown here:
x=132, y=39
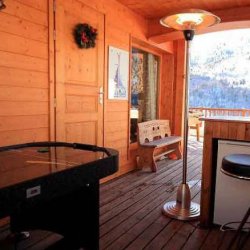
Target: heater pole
x=187, y=21
x=186, y=112
x=183, y=208
x=188, y=34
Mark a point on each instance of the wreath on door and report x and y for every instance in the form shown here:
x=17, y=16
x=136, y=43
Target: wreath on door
x=85, y=35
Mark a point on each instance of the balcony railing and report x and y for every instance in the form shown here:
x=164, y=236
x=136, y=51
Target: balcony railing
x=197, y=112
x=206, y=112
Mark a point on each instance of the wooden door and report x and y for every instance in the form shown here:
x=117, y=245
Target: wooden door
x=79, y=75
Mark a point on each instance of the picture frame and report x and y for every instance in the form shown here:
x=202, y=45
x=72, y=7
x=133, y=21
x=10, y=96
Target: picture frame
x=118, y=74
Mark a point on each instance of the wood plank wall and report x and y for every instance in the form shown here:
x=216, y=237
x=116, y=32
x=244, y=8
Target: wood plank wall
x=24, y=94
x=25, y=66
x=179, y=86
x=121, y=25
x=167, y=88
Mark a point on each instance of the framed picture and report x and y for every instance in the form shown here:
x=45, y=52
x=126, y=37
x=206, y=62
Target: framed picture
x=118, y=74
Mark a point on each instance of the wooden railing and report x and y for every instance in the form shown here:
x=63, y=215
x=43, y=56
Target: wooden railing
x=206, y=112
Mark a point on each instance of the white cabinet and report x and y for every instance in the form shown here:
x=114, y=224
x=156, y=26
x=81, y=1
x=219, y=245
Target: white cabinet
x=232, y=195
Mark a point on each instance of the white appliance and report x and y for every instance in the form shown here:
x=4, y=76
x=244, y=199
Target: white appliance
x=232, y=196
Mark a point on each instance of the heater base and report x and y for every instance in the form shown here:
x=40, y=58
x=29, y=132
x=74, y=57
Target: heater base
x=174, y=210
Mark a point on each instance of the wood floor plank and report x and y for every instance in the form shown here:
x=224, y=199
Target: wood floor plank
x=152, y=214
x=143, y=207
x=137, y=190
x=140, y=184
x=180, y=238
x=133, y=179
x=213, y=240
x=150, y=235
x=146, y=190
x=131, y=213
x=247, y=244
x=227, y=237
x=196, y=240
x=165, y=235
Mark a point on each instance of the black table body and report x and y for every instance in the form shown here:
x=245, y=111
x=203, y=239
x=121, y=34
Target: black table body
x=54, y=186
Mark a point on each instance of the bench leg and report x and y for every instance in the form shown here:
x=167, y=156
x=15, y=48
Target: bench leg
x=178, y=151
x=146, y=158
x=153, y=165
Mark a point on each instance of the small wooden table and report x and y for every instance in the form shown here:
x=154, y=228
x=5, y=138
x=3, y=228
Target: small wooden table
x=218, y=127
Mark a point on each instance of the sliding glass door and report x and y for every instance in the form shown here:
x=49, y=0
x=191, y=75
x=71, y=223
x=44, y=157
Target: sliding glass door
x=144, y=89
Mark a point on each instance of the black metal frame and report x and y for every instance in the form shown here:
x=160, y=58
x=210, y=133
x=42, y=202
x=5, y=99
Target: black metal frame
x=69, y=201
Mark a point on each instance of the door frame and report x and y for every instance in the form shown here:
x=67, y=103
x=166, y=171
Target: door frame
x=142, y=45
x=51, y=65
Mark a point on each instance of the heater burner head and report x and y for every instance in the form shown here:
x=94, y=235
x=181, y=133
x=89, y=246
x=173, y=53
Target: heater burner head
x=191, y=19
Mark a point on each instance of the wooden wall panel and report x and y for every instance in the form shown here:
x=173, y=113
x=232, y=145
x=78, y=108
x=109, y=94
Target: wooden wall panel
x=23, y=28
x=9, y=123
x=118, y=32
x=29, y=13
x=179, y=91
x=23, y=78
x=77, y=132
x=79, y=75
x=121, y=25
x=27, y=74
x=38, y=4
x=9, y=108
x=13, y=60
x=247, y=134
x=22, y=136
x=167, y=88
x=24, y=94
x=16, y=94
x=24, y=46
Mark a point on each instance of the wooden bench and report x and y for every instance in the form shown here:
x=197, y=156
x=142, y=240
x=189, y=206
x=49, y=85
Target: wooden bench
x=155, y=141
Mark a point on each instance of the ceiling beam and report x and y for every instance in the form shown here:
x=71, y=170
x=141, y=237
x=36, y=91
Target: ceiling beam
x=235, y=18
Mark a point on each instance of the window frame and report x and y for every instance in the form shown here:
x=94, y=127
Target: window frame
x=141, y=45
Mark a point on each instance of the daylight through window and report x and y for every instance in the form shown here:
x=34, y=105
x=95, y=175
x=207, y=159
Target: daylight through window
x=220, y=70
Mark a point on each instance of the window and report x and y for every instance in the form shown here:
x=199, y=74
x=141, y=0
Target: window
x=220, y=75
x=144, y=87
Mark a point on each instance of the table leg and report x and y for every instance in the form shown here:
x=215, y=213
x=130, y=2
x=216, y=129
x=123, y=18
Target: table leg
x=198, y=131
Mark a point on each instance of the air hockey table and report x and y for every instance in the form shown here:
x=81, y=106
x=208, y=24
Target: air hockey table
x=54, y=186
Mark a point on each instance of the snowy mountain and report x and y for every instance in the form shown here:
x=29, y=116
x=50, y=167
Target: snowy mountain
x=220, y=70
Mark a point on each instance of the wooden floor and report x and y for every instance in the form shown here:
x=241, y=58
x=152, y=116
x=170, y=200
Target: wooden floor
x=131, y=217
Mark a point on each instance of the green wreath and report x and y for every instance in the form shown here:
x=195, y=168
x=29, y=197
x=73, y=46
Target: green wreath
x=85, y=35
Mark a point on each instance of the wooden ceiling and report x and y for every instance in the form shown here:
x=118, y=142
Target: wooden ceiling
x=153, y=9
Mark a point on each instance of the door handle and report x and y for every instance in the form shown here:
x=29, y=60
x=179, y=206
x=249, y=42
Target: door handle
x=101, y=93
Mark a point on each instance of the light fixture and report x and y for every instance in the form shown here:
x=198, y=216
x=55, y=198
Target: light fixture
x=2, y=5
x=187, y=21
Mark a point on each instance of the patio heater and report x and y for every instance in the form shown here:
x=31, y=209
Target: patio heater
x=186, y=21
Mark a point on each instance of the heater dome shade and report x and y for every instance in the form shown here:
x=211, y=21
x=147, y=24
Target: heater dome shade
x=192, y=19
